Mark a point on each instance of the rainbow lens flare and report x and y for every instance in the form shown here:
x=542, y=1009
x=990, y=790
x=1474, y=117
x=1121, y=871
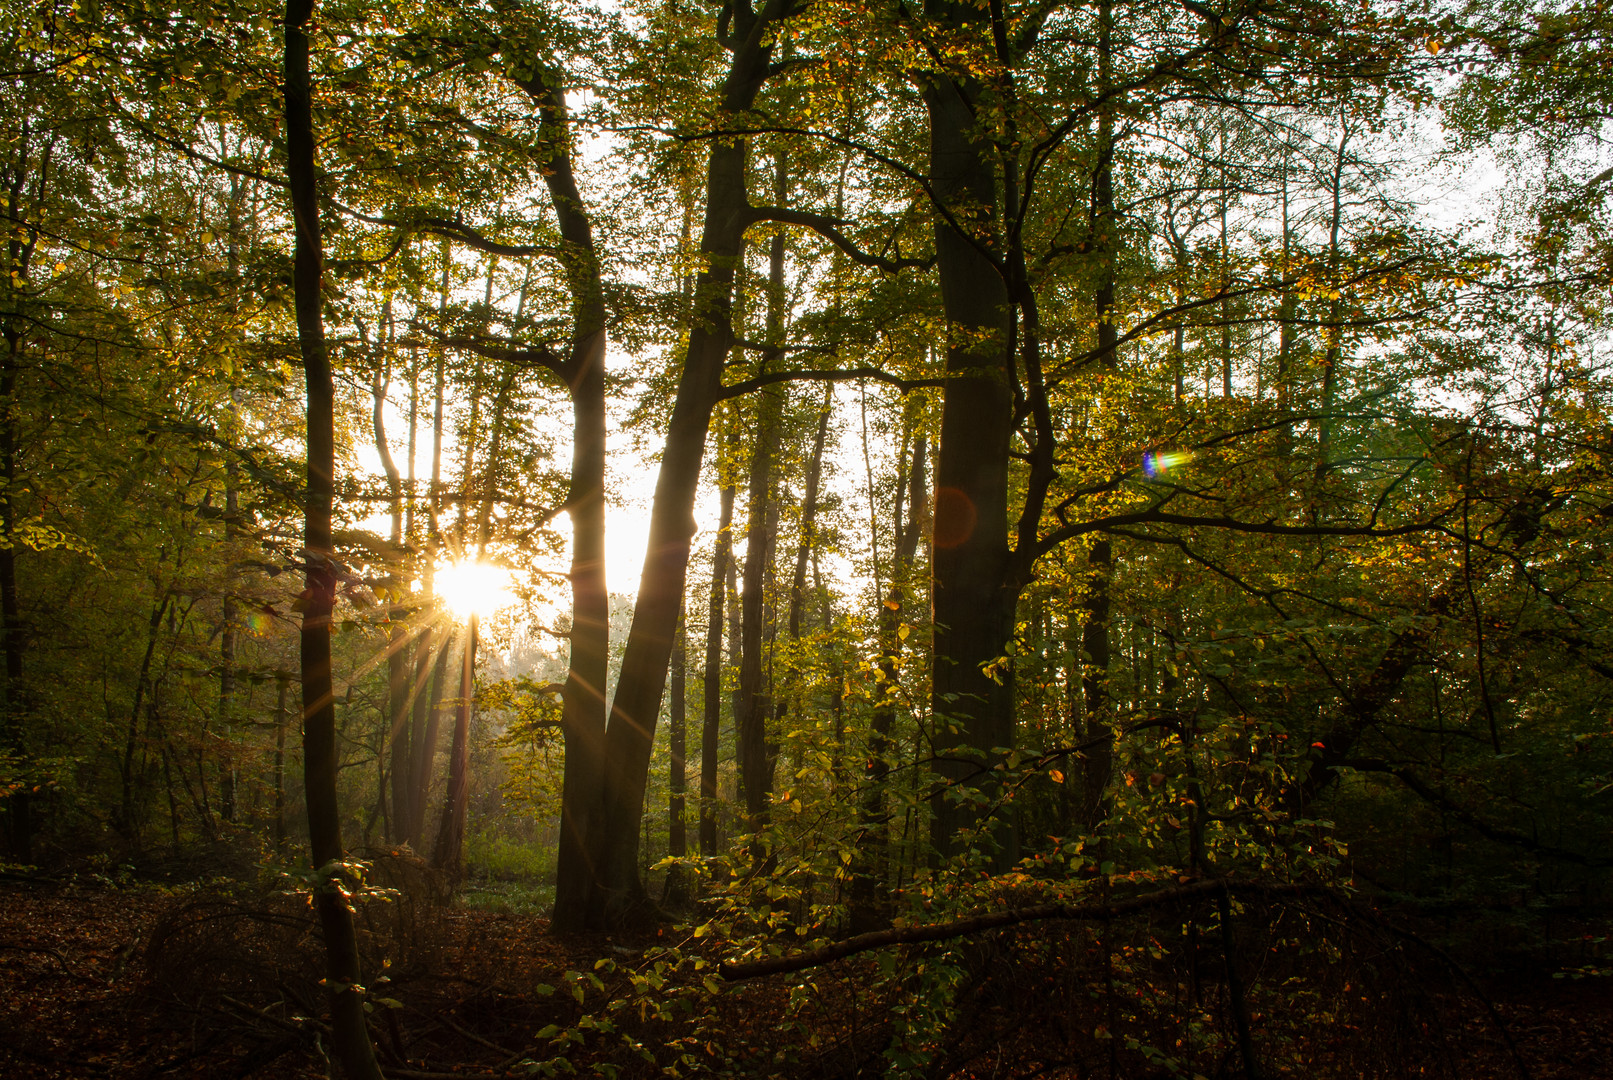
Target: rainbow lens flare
x=1158, y=462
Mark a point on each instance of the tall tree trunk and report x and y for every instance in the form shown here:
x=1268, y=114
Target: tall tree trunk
x=344, y=983
x=583, y=713
x=1226, y=271
x=1335, y=316
x=227, y=637
x=711, y=721
x=19, y=254
x=281, y=679
x=431, y=687
x=431, y=650
x=807, y=543
x=794, y=693
x=676, y=890
x=19, y=806
x=398, y=738
x=873, y=819
x=973, y=612
x=1286, y=310
x=1095, y=629
x=449, y=850
x=226, y=653
x=755, y=699
x=631, y=733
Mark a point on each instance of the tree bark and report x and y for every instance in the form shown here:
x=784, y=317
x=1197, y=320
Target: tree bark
x=19, y=806
x=19, y=254
x=755, y=699
x=583, y=713
x=631, y=731
x=449, y=851
x=281, y=679
x=399, y=731
x=677, y=776
x=1097, y=731
x=226, y=653
x=872, y=816
x=710, y=728
x=973, y=612
x=344, y=985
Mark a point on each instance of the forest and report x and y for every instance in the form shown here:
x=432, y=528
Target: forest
x=845, y=538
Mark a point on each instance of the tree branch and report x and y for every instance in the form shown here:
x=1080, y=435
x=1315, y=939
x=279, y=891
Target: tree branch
x=839, y=375
x=828, y=228
x=912, y=935
x=1499, y=833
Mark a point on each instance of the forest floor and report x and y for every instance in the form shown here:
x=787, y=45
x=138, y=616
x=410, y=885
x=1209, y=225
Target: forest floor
x=80, y=997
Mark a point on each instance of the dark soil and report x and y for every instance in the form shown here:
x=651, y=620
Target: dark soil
x=82, y=995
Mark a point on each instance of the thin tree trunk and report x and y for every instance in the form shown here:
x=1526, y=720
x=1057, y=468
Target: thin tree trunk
x=793, y=694
x=873, y=818
x=433, y=675
x=281, y=681
x=349, y=1037
x=399, y=732
x=1095, y=647
x=677, y=776
x=431, y=650
x=755, y=701
x=1335, y=316
x=19, y=806
x=807, y=542
x=227, y=637
x=1226, y=274
x=448, y=853
x=226, y=653
x=127, y=816
x=710, y=728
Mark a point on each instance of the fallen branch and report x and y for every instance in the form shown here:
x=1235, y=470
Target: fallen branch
x=979, y=924
x=473, y=1037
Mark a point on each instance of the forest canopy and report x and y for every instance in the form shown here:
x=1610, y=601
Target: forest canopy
x=1075, y=459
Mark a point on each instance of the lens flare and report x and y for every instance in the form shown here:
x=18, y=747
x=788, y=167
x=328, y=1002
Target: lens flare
x=474, y=588
x=1159, y=462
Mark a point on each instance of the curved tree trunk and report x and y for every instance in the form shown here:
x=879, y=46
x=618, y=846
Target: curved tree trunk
x=583, y=368
x=631, y=733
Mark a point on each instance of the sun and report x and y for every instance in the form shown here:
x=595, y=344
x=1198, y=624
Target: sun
x=474, y=588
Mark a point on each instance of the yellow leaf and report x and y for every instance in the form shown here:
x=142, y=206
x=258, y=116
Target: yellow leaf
x=1058, y=777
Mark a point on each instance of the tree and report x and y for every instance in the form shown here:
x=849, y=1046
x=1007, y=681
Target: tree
x=344, y=985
